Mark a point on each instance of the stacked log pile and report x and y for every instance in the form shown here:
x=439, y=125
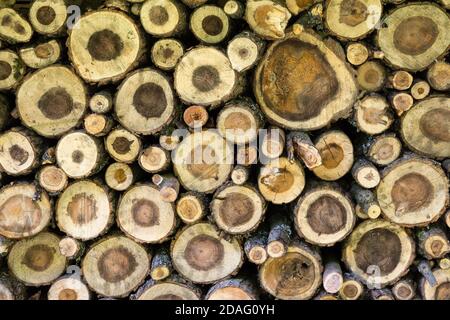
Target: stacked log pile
x=228, y=149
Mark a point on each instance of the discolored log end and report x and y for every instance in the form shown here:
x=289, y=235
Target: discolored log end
x=273, y=142
x=281, y=181
x=12, y=70
x=371, y=76
x=412, y=192
x=191, y=207
x=14, y=28
x=161, y=266
x=37, y=261
x=151, y=98
x=101, y=102
x=317, y=87
x=383, y=150
x=154, y=159
x=379, y=252
x=115, y=266
x=195, y=116
x=357, y=53
x=413, y=42
x=295, y=276
x=200, y=255
x=53, y=179
x=21, y=214
x=404, y=289
x=166, y=53
x=84, y=210
x=143, y=216
x=438, y=76
x=372, y=114
x=105, y=46
x=233, y=289
x=122, y=145
x=365, y=174
x=255, y=246
x=352, y=19
x=209, y=24
x=204, y=76
x=48, y=17
x=324, y=215
x=336, y=151
x=237, y=209
x=98, y=125
x=441, y=290
x=120, y=176
x=244, y=51
x=433, y=243
x=266, y=18
x=174, y=288
x=425, y=129
x=163, y=18
x=352, y=288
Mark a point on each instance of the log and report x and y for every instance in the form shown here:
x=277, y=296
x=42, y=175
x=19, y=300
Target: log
x=352, y=288
x=191, y=207
x=202, y=161
x=237, y=209
x=296, y=7
x=336, y=151
x=324, y=215
x=164, y=18
x=233, y=289
x=281, y=181
x=71, y=248
x=209, y=24
x=48, y=17
x=383, y=149
x=122, y=145
x=285, y=279
x=401, y=102
x=357, y=53
x=429, y=38
x=424, y=128
x=255, y=246
x=404, y=289
x=150, y=94
x=432, y=242
x=97, y=30
x=234, y=9
x=24, y=211
x=195, y=116
x=401, y=80
x=266, y=18
x=327, y=94
x=366, y=201
x=200, y=255
x=273, y=142
x=438, y=76
x=168, y=186
x=154, y=159
x=84, y=210
x=20, y=152
x=12, y=70
x=98, y=125
x=161, y=266
x=15, y=29
x=68, y=288
x=36, y=261
x=332, y=278
x=143, y=216
x=245, y=50
x=371, y=76
x=372, y=114
x=41, y=55
x=381, y=294
x=166, y=53
x=279, y=236
x=352, y=20
x=240, y=175
x=115, y=266
x=80, y=155
x=101, y=102
x=239, y=121
x=247, y=155
x=420, y=89
x=439, y=291
x=53, y=106
x=10, y=288
x=174, y=288
x=365, y=173
x=413, y=192
x=120, y=176
x=299, y=144
x=204, y=76
x=52, y=179
x=379, y=252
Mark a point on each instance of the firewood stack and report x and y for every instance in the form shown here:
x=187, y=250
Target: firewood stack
x=195, y=149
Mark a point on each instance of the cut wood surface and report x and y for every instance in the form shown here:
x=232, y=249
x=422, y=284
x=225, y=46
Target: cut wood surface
x=224, y=150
